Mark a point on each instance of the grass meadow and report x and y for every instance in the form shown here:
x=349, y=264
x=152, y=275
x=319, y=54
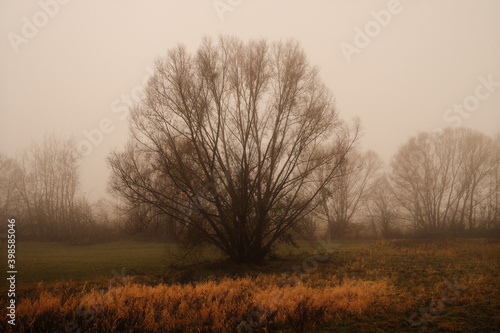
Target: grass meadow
x=439, y=285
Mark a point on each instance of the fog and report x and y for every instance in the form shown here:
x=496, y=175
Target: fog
x=73, y=67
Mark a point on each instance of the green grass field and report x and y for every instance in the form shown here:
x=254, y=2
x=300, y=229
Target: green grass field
x=442, y=285
x=57, y=262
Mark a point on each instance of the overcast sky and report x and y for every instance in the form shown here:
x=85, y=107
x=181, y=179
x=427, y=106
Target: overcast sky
x=400, y=66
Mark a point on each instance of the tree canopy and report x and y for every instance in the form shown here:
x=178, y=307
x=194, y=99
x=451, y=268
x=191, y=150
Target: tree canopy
x=233, y=142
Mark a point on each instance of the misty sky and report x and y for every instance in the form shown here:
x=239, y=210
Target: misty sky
x=401, y=66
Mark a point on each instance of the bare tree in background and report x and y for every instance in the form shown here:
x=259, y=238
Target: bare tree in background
x=9, y=198
x=227, y=142
x=489, y=209
x=47, y=182
x=341, y=199
x=381, y=208
x=441, y=179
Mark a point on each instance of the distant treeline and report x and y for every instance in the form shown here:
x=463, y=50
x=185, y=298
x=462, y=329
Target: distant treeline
x=444, y=183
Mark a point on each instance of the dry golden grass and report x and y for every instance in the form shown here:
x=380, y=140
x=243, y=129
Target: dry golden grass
x=207, y=306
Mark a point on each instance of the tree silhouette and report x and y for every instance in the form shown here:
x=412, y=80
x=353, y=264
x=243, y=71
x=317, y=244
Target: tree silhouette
x=227, y=141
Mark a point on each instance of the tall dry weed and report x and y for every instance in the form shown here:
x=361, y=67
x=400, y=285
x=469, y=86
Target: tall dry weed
x=203, y=307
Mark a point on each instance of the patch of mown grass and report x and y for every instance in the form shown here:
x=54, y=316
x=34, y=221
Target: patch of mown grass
x=461, y=274
x=57, y=262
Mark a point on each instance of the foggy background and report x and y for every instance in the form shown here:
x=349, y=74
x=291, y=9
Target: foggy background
x=85, y=61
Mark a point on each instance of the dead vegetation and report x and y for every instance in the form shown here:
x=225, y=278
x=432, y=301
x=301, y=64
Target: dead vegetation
x=223, y=306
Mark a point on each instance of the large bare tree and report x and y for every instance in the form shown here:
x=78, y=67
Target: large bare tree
x=227, y=141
